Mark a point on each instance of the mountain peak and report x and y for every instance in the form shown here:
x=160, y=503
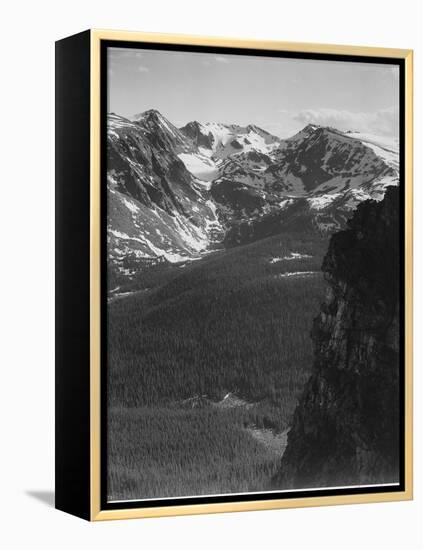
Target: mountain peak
x=193, y=124
x=152, y=113
x=311, y=127
x=149, y=115
x=163, y=131
x=257, y=129
x=316, y=130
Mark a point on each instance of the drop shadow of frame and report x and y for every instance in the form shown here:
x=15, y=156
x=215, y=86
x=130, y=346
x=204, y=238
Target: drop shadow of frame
x=45, y=497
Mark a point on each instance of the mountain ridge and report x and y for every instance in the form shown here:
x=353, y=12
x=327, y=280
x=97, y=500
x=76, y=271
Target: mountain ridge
x=177, y=193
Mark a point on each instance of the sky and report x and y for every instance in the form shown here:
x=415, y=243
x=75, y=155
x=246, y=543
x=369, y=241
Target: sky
x=277, y=94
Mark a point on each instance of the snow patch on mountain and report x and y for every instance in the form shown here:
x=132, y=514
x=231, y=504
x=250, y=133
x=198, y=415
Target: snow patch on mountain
x=131, y=206
x=285, y=203
x=222, y=140
x=296, y=274
x=322, y=201
x=200, y=166
x=291, y=256
x=385, y=142
x=385, y=147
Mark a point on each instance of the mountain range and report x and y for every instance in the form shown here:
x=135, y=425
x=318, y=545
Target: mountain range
x=177, y=194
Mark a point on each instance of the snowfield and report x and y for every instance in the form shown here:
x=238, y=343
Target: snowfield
x=229, y=139
x=200, y=166
x=322, y=201
x=385, y=147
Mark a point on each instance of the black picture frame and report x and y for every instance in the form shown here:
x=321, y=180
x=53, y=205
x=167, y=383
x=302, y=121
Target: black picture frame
x=81, y=396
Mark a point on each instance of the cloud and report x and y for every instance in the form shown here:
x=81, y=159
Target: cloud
x=221, y=59
x=208, y=61
x=125, y=60
x=384, y=121
x=125, y=53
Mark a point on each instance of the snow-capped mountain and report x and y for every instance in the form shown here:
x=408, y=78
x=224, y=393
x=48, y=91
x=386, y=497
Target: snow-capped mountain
x=320, y=159
x=333, y=170
x=221, y=140
x=157, y=210
x=162, y=133
x=177, y=193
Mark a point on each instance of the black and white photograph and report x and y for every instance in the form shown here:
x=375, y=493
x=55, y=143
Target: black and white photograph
x=252, y=260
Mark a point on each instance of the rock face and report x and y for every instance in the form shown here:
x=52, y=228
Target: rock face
x=158, y=212
x=346, y=426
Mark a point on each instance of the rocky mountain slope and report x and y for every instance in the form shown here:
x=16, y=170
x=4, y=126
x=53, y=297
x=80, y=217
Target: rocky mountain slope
x=157, y=210
x=345, y=429
x=175, y=194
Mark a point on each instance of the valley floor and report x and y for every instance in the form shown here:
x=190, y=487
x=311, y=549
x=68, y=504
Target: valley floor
x=177, y=452
x=206, y=363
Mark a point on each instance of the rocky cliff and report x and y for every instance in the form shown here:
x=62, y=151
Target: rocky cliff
x=346, y=426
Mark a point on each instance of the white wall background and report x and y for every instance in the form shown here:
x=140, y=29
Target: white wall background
x=28, y=32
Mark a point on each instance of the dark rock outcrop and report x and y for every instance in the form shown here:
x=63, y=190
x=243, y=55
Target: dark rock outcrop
x=346, y=426
x=194, y=132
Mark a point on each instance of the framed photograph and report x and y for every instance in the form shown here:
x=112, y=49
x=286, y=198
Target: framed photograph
x=233, y=275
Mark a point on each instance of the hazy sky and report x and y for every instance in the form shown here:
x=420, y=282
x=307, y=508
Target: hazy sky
x=280, y=95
